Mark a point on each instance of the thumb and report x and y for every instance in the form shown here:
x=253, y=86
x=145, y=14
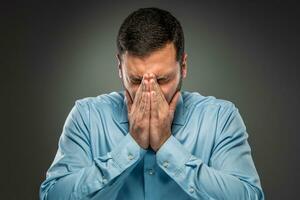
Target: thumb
x=128, y=101
x=173, y=103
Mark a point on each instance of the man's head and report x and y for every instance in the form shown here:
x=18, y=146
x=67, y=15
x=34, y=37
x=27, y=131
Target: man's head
x=151, y=40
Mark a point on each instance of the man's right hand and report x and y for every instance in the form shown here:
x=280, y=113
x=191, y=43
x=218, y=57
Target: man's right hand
x=139, y=114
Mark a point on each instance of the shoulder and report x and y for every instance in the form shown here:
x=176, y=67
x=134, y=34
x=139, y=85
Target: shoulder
x=223, y=112
x=107, y=101
x=195, y=100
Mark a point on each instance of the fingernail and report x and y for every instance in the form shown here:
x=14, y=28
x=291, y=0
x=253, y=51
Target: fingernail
x=143, y=85
x=144, y=76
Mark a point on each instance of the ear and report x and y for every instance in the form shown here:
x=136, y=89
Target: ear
x=119, y=64
x=184, y=65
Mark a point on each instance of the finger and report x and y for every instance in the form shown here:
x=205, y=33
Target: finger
x=154, y=105
x=174, y=101
x=144, y=89
x=128, y=101
x=151, y=85
x=156, y=88
x=145, y=85
x=142, y=104
x=148, y=105
x=138, y=94
x=144, y=108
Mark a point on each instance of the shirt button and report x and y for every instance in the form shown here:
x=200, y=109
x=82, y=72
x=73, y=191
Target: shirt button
x=191, y=190
x=165, y=164
x=84, y=189
x=130, y=156
x=151, y=171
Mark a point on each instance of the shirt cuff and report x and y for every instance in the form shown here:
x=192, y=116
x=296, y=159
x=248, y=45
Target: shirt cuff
x=172, y=156
x=127, y=152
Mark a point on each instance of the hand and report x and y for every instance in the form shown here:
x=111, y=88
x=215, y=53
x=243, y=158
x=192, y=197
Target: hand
x=161, y=115
x=139, y=114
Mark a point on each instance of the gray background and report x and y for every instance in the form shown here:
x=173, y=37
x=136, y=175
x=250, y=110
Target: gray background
x=55, y=53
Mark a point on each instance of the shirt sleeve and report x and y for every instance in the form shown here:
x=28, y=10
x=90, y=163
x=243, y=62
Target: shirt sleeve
x=230, y=173
x=76, y=174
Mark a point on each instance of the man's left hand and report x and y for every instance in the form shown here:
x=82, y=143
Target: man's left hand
x=162, y=115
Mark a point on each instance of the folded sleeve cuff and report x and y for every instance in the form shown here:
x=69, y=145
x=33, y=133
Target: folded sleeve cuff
x=172, y=156
x=127, y=152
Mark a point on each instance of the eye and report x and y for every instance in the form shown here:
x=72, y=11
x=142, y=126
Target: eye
x=162, y=80
x=135, y=81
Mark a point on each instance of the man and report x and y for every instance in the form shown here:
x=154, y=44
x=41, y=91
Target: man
x=152, y=141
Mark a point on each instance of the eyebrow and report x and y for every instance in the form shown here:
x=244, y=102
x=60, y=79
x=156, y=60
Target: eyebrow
x=137, y=77
x=166, y=76
x=162, y=77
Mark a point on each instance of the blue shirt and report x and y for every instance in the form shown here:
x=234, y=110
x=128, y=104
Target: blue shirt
x=206, y=157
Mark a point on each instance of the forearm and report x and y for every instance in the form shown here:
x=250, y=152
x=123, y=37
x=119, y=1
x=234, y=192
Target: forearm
x=87, y=183
x=199, y=180
x=101, y=178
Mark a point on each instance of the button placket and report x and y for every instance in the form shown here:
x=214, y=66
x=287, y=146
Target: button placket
x=191, y=189
x=149, y=174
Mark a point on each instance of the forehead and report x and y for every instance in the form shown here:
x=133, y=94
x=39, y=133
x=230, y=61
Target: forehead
x=160, y=62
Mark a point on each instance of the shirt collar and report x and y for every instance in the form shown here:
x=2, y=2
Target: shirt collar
x=179, y=117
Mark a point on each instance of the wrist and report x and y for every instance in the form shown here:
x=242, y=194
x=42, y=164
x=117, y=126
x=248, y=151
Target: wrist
x=162, y=141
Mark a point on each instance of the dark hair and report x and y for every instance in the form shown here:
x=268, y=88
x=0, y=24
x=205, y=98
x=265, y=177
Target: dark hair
x=149, y=29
